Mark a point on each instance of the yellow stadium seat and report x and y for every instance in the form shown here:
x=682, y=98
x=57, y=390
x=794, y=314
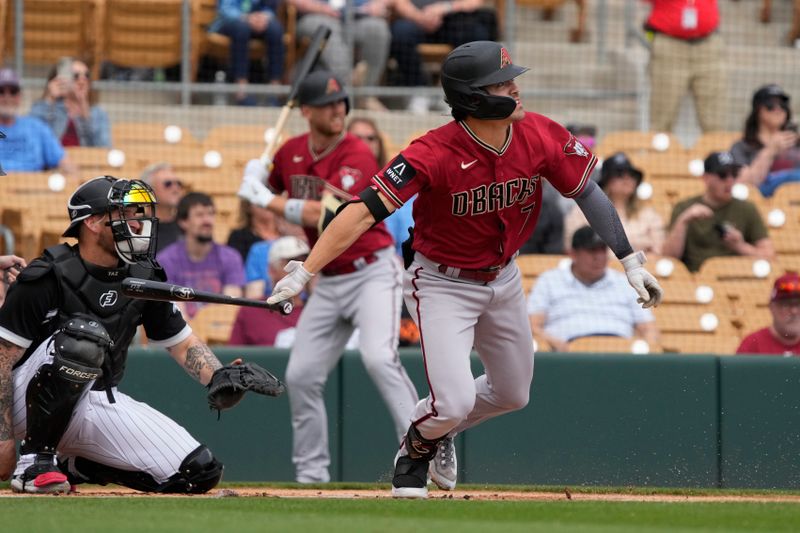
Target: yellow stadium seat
x=213, y=323
x=636, y=143
x=143, y=33
x=787, y=196
x=250, y=137
x=532, y=265
x=714, y=141
x=94, y=161
x=146, y=135
x=692, y=343
x=660, y=165
x=608, y=344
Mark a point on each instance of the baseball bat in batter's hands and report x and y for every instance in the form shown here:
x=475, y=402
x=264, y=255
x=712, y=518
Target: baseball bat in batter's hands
x=145, y=289
x=318, y=42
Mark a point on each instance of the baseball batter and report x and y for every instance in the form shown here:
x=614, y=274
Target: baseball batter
x=65, y=328
x=359, y=288
x=479, y=185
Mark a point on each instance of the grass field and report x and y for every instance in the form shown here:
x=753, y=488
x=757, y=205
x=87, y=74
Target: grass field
x=299, y=514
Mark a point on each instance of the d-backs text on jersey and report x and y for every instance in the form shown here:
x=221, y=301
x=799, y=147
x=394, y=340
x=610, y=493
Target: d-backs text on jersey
x=494, y=196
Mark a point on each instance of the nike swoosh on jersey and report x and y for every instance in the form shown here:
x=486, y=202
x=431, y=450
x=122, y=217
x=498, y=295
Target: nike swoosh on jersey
x=465, y=166
x=297, y=158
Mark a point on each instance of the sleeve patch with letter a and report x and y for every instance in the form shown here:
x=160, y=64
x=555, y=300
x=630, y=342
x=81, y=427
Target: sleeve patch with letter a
x=574, y=147
x=399, y=172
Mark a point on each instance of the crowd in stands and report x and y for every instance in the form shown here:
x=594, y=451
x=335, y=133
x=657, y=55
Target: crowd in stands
x=713, y=223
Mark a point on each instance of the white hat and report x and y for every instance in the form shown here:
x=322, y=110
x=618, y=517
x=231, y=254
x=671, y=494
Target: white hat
x=287, y=248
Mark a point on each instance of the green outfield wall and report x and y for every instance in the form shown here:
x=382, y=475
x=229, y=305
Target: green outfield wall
x=657, y=420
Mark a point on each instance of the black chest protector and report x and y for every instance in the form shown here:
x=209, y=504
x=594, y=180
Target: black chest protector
x=98, y=293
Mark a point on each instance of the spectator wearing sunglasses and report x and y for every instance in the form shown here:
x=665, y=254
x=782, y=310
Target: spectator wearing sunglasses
x=29, y=145
x=69, y=107
x=169, y=191
x=769, y=151
x=715, y=223
x=782, y=337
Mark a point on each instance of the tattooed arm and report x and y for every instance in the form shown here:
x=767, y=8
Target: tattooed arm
x=196, y=358
x=9, y=354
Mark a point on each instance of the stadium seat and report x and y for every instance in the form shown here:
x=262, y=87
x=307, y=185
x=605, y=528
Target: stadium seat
x=665, y=267
x=693, y=343
x=532, y=265
x=94, y=161
x=713, y=141
x=217, y=46
x=635, y=143
x=695, y=329
x=241, y=137
x=213, y=323
x=142, y=33
x=685, y=292
x=576, y=34
x=787, y=197
x=661, y=165
x=53, y=29
x=145, y=135
x=608, y=344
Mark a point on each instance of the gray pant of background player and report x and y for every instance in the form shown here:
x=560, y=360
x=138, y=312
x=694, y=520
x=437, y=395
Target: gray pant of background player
x=371, y=37
x=368, y=299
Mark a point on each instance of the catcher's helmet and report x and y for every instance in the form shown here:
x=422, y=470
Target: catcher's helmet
x=320, y=88
x=466, y=72
x=132, y=200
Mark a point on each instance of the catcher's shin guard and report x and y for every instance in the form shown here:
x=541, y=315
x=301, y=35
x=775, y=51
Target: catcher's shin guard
x=80, y=348
x=199, y=472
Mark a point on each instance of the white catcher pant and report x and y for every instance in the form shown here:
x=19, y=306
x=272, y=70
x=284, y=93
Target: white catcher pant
x=368, y=299
x=128, y=435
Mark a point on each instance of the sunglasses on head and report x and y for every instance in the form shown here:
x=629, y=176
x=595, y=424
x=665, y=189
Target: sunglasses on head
x=789, y=286
x=13, y=91
x=170, y=183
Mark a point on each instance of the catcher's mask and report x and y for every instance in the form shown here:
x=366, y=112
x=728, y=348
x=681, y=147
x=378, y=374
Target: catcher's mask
x=130, y=206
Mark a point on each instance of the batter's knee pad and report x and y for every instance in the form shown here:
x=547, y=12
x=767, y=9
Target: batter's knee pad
x=80, y=347
x=418, y=447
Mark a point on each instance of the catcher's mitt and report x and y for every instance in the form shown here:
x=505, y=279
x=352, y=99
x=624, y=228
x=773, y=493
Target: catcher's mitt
x=229, y=383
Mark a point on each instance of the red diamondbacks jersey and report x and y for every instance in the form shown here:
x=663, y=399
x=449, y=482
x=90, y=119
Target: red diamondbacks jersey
x=346, y=167
x=477, y=205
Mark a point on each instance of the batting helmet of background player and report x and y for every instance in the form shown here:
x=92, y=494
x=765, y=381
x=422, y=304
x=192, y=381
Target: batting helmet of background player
x=133, y=200
x=321, y=88
x=467, y=71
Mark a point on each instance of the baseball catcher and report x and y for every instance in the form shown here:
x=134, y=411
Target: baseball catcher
x=65, y=328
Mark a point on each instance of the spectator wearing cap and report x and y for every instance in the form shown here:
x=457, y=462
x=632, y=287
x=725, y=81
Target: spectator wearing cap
x=586, y=299
x=29, y=145
x=782, y=337
x=769, y=151
x=168, y=189
x=686, y=54
x=619, y=179
x=715, y=223
x=255, y=326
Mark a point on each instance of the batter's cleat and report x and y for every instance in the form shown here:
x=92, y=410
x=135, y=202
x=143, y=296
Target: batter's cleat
x=410, y=478
x=42, y=477
x=444, y=465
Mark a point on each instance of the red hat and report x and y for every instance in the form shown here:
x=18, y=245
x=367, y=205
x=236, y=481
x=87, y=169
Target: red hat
x=786, y=287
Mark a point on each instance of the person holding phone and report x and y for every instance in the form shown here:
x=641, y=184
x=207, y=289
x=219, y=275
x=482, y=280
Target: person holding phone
x=715, y=223
x=768, y=151
x=69, y=106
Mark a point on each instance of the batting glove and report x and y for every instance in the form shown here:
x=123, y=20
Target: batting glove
x=258, y=170
x=641, y=280
x=291, y=285
x=255, y=192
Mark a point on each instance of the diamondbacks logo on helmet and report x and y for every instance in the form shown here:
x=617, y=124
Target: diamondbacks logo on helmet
x=333, y=86
x=505, y=58
x=574, y=147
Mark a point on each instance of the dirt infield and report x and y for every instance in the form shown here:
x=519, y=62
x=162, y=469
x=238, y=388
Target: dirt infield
x=466, y=494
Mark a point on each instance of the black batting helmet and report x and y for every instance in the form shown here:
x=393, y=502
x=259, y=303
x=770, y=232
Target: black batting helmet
x=321, y=88
x=466, y=72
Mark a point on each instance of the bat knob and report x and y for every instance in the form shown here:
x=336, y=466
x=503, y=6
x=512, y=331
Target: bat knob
x=286, y=308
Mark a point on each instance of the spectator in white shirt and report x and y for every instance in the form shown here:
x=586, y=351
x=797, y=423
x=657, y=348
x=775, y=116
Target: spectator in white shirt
x=586, y=298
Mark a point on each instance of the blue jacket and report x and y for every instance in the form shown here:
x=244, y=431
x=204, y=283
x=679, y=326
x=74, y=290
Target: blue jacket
x=92, y=131
x=236, y=9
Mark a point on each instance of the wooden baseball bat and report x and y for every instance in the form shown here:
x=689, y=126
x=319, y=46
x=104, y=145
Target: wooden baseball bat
x=145, y=289
x=318, y=42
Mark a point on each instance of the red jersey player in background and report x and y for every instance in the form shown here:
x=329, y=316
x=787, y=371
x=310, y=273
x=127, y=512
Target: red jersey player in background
x=360, y=288
x=782, y=337
x=479, y=184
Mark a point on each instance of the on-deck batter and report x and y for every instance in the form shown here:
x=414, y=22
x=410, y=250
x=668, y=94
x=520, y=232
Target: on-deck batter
x=361, y=288
x=65, y=328
x=479, y=185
